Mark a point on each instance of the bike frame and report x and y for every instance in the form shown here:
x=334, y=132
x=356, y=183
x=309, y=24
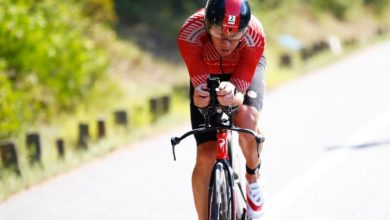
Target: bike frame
x=222, y=157
x=222, y=152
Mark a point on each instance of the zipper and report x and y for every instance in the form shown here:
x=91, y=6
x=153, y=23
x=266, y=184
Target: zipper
x=220, y=65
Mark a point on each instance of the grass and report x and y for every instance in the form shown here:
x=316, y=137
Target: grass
x=52, y=165
x=278, y=75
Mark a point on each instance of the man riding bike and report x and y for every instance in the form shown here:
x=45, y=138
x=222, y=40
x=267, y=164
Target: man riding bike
x=225, y=40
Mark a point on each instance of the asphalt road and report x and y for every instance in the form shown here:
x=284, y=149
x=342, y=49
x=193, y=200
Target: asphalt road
x=326, y=157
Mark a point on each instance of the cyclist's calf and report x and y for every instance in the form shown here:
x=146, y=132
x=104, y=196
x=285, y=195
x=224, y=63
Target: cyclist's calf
x=248, y=117
x=205, y=159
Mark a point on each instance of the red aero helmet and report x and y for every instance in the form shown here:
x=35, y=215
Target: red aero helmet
x=231, y=15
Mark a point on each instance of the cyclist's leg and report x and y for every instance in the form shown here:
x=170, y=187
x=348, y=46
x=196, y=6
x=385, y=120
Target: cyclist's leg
x=205, y=159
x=248, y=117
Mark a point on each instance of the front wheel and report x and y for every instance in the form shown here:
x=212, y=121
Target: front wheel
x=235, y=159
x=221, y=195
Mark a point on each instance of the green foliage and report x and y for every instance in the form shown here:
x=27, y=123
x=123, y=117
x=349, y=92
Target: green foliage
x=163, y=15
x=379, y=6
x=269, y=4
x=13, y=110
x=337, y=7
x=99, y=10
x=47, y=56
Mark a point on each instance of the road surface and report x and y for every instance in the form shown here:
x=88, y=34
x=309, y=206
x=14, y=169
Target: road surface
x=326, y=157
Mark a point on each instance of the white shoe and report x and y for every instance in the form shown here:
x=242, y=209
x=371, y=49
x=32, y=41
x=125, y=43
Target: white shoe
x=255, y=197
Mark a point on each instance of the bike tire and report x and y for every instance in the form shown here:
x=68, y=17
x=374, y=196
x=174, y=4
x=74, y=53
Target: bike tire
x=221, y=195
x=235, y=160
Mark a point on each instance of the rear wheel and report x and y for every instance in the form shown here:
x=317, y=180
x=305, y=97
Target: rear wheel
x=221, y=195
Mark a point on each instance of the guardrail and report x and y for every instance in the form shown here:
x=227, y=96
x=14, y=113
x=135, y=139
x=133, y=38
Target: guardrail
x=10, y=158
x=331, y=43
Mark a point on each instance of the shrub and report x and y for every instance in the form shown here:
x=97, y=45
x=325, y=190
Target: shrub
x=48, y=55
x=13, y=110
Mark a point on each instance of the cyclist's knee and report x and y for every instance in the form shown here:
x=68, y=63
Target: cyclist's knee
x=247, y=117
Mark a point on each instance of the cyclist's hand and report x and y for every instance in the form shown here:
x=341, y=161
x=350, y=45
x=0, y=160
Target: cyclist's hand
x=201, y=96
x=225, y=93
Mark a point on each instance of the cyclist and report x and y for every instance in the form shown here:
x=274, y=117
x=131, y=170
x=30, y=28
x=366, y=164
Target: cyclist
x=224, y=39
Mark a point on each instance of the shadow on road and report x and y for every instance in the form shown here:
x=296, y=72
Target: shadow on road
x=361, y=146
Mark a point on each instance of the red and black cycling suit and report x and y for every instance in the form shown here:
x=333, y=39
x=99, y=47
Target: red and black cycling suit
x=243, y=67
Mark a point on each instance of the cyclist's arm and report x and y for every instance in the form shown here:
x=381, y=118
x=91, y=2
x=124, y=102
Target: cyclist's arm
x=250, y=53
x=238, y=98
x=228, y=95
x=192, y=55
x=246, y=68
x=201, y=96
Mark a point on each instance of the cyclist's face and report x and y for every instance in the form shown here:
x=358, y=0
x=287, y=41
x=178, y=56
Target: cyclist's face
x=225, y=43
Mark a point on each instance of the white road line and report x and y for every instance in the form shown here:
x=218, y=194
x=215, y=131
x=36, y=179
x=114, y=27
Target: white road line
x=292, y=191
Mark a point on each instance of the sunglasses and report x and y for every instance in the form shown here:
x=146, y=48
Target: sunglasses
x=216, y=31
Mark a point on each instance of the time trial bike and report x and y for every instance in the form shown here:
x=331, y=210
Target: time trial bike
x=226, y=197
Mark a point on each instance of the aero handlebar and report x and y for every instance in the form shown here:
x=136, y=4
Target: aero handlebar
x=176, y=140
x=216, y=117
